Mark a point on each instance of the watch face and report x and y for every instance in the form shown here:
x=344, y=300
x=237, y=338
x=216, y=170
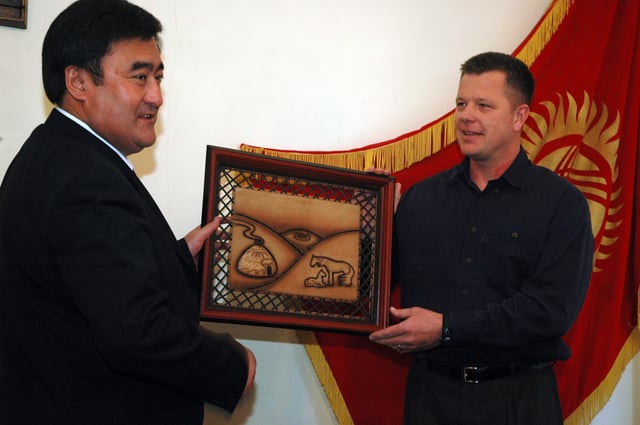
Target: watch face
x=446, y=332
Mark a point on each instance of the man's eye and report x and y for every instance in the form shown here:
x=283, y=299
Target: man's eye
x=140, y=77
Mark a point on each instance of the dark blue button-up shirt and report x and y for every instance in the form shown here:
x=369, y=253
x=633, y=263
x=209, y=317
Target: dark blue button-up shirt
x=509, y=266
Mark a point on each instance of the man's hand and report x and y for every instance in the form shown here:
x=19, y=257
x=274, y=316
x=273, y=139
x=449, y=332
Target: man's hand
x=419, y=329
x=398, y=186
x=251, y=363
x=197, y=237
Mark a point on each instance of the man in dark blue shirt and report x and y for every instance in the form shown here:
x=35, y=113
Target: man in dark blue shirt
x=494, y=258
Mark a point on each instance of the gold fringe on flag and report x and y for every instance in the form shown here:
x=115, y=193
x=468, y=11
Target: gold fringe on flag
x=590, y=407
x=323, y=371
x=393, y=155
x=540, y=36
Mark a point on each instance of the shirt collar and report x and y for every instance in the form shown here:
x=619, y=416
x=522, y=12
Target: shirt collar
x=90, y=130
x=515, y=174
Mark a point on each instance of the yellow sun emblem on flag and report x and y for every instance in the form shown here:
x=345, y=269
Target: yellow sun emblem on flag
x=581, y=143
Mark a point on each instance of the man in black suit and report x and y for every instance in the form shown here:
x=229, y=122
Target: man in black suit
x=99, y=317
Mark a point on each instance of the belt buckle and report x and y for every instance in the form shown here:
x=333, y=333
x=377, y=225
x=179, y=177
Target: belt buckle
x=470, y=369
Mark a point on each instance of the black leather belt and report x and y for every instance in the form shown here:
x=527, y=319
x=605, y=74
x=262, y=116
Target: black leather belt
x=471, y=374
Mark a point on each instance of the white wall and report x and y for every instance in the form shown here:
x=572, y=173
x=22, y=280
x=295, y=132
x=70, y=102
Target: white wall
x=312, y=75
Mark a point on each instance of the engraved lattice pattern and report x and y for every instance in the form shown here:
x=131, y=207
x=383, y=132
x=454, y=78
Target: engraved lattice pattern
x=362, y=309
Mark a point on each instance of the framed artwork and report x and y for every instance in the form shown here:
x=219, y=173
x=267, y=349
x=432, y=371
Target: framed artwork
x=13, y=13
x=300, y=245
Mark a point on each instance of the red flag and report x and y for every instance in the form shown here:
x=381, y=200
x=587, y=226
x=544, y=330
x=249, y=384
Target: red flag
x=585, y=56
x=585, y=127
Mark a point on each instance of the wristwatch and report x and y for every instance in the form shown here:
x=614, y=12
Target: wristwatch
x=446, y=336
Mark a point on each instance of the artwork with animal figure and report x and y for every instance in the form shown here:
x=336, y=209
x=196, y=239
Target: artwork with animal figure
x=294, y=245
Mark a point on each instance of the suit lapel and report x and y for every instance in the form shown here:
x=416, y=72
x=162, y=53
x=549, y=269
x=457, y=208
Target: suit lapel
x=70, y=129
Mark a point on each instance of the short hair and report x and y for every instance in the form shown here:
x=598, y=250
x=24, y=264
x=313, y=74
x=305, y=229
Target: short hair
x=518, y=75
x=84, y=33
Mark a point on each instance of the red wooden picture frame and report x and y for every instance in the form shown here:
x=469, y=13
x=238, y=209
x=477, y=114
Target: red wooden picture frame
x=300, y=245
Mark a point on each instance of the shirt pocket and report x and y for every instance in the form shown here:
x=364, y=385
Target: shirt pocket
x=509, y=255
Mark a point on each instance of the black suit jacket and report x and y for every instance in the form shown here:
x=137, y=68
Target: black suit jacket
x=99, y=318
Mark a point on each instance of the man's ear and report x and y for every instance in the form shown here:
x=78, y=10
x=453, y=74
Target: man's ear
x=520, y=116
x=74, y=78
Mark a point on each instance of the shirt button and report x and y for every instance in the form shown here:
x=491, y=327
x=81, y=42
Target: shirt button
x=466, y=291
x=473, y=229
x=468, y=260
x=496, y=190
x=514, y=235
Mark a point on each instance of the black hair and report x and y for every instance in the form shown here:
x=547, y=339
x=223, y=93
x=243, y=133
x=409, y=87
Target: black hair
x=84, y=33
x=518, y=75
